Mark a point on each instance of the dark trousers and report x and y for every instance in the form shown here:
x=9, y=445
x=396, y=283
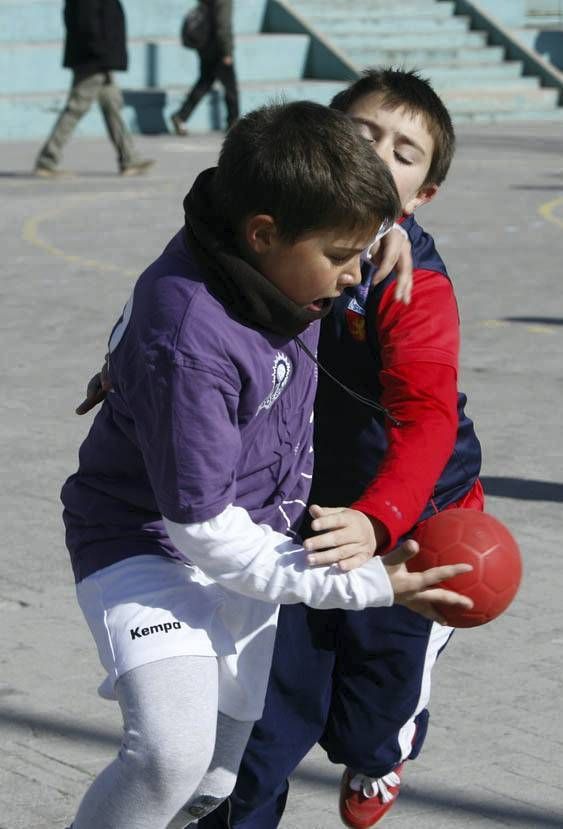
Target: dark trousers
x=212, y=68
x=357, y=683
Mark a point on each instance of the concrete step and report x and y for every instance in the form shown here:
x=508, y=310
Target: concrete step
x=39, y=20
x=37, y=67
x=351, y=7
x=472, y=74
x=401, y=13
x=544, y=21
x=388, y=25
x=149, y=110
x=157, y=19
x=264, y=57
x=350, y=41
x=452, y=81
x=544, y=8
x=498, y=117
x=501, y=100
x=472, y=77
x=422, y=58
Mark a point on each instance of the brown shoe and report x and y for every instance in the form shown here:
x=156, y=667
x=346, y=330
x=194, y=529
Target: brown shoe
x=178, y=125
x=138, y=168
x=51, y=172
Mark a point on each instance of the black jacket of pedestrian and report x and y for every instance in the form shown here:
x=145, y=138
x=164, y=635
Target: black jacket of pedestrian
x=95, y=36
x=221, y=34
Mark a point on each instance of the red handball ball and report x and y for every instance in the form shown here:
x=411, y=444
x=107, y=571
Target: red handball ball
x=471, y=537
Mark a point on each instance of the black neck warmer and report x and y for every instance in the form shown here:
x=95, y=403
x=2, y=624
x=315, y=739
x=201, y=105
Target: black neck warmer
x=243, y=290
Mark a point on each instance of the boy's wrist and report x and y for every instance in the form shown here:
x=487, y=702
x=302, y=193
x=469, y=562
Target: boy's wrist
x=382, y=536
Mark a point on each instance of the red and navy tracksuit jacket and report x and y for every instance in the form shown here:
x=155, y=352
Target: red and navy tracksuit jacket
x=353, y=680
x=406, y=358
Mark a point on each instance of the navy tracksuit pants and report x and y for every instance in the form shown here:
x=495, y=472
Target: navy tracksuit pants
x=355, y=682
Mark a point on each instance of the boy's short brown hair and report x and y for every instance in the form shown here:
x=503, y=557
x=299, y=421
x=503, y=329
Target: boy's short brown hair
x=401, y=88
x=305, y=165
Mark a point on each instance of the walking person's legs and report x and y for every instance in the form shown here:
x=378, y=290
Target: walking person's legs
x=226, y=74
x=208, y=66
x=83, y=92
x=110, y=100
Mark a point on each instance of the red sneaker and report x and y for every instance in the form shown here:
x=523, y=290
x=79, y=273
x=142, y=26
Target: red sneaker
x=365, y=800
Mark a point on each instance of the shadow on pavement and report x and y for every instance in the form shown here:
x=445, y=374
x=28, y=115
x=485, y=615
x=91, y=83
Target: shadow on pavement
x=557, y=187
x=536, y=320
x=525, y=490
x=483, y=806
x=70, y=177
x=518, y=816
x=57, y=726
x=23, y=174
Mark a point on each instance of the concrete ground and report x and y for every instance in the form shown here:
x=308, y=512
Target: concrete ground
x=71, y=250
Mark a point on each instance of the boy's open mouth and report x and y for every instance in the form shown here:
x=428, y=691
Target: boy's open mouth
x=319, y=304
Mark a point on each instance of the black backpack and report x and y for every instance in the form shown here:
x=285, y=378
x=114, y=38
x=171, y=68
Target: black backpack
x=196, y=27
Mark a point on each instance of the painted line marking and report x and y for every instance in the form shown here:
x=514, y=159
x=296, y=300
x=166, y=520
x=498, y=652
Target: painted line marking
x=532, y=329
x=31, y=227
x=546, y=211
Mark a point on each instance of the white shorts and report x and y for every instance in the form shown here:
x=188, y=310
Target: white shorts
x=146, y=608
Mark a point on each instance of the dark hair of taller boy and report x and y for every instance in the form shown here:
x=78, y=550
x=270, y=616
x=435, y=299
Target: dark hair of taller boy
x=399, y=88
x=305, y=165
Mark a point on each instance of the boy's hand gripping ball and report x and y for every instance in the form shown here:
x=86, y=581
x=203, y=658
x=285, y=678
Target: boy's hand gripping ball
x=472, y=537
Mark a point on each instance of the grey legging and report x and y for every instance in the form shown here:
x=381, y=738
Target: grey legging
x=177, y=760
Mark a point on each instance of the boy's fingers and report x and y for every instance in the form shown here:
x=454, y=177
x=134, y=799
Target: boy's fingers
x=404, y=270
x=328, y=521
x=315, y=511
x=443, y=573
x=327, y=541
x=95, y=385
x=354, y=562
x=335, y=555
x=401, y=554
x=97, y=388
x=104, y=375
x=90, y=401
x=387, y=262
x=441, y=596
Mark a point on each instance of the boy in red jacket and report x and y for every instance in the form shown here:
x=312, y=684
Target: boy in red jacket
x=359, y=683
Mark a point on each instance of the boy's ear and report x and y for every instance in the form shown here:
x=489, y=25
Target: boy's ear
x=260, y=232
x=424, y=195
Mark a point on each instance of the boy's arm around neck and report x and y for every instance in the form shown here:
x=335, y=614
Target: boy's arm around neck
x=419, y=352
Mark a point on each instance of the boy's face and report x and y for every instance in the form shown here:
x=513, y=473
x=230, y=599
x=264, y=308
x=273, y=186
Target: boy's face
x=312, y=270
x=402, y=140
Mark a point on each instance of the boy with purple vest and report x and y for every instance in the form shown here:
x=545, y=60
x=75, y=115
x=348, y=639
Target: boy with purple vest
x=182, y=517
x=359, y=683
